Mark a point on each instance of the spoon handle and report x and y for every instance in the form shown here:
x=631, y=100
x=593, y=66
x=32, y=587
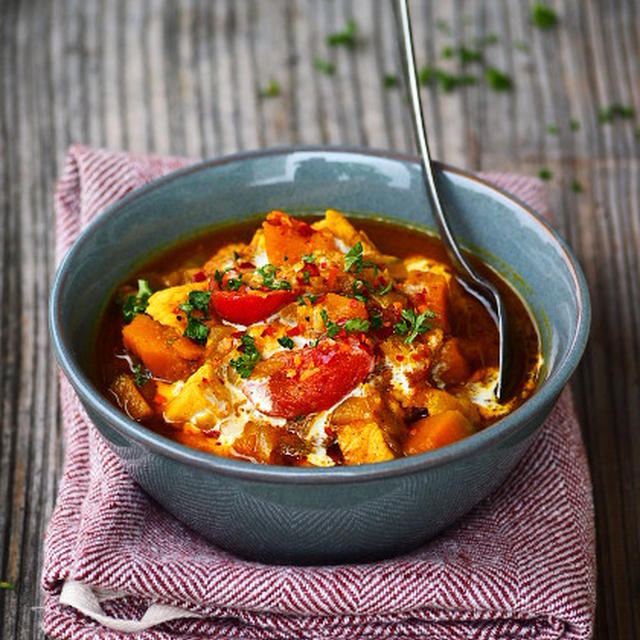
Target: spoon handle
x=476, y=284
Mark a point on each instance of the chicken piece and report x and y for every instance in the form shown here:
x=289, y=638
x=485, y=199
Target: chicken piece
x=203, y=400
x=163, y=305
x=129, y=397
x=362, y=442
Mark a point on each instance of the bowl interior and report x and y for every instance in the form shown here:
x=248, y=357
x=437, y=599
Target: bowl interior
x=492, y=224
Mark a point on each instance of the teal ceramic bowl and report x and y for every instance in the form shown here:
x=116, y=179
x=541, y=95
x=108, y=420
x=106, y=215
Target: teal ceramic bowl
x=305, y=515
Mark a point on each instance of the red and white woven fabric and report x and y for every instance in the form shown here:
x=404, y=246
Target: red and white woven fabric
x=520, y=565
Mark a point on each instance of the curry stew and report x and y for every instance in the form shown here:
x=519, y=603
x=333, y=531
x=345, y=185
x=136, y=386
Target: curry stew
x=310, y=343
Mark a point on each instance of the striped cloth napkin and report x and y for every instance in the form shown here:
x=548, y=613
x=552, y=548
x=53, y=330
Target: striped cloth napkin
x=520, y=565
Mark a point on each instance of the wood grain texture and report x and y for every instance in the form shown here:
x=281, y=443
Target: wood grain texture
x=184, y=77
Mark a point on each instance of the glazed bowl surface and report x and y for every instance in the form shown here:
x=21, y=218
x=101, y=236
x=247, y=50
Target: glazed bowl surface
x=306, y=515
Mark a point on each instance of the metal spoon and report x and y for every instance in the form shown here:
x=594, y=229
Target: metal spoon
x=475, y=284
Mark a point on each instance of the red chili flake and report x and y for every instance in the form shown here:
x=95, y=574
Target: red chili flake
x=269, y=331
x=199, y=276
x=323, y=264
x=399, y=357
x=237, y=334
x=247, y=265
x=294, y=331
x=415, y=357
x=159, y=399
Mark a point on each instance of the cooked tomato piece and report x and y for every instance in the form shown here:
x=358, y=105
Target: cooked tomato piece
x=248, y=306
x=296, y=383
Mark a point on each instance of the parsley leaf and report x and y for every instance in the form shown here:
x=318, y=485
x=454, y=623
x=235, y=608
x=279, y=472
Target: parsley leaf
x=307, y=297
x=498, y=80
x=576, y=186
x=268, y=273
x=353, y=259
x=413, y=325
x=332, y=328
x=376, y=321
x=326, y=66
x=198, y=301
x=248, y=358
x=346, y=37
x=616, y=110
x=272, y=90
x=545, y=173
x=543, y=16
x=286, y=342
x=390, y=80
x=218, y=275
x=133, y=305
x=356, y=324
x=196, y=330
x=309, y=258
x=140, y=375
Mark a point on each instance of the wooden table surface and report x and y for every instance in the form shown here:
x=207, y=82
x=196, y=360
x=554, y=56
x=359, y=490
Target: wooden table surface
x=184, y=77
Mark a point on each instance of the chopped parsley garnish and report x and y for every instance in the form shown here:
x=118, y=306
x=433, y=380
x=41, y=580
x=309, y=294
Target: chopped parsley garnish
x=196, y=330
x=610, y=113
x=353, y=260
x=7, y=585
x=248, y=358
x=268, y=273
x=390, y=80
x=412, y=324
x=545, y=173
x=331, y=327
x=306, y=274
x=140, y=375
x=576, y=186
x=233, y=284
x=326, y=66
x=218, y=275
x=446, y=81
x=198, y=301
x=543, y=16
x=498, y=80
x=346, y=37
x=358, y=291
x=426, y=75
x=286, y=342
x=376, y=321
x=309, y=258
x=307, y=297
x=272, y=90
x=357, y=324
x=133, y=305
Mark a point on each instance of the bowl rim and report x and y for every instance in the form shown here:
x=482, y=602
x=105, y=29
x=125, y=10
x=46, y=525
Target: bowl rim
x=503, y=429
